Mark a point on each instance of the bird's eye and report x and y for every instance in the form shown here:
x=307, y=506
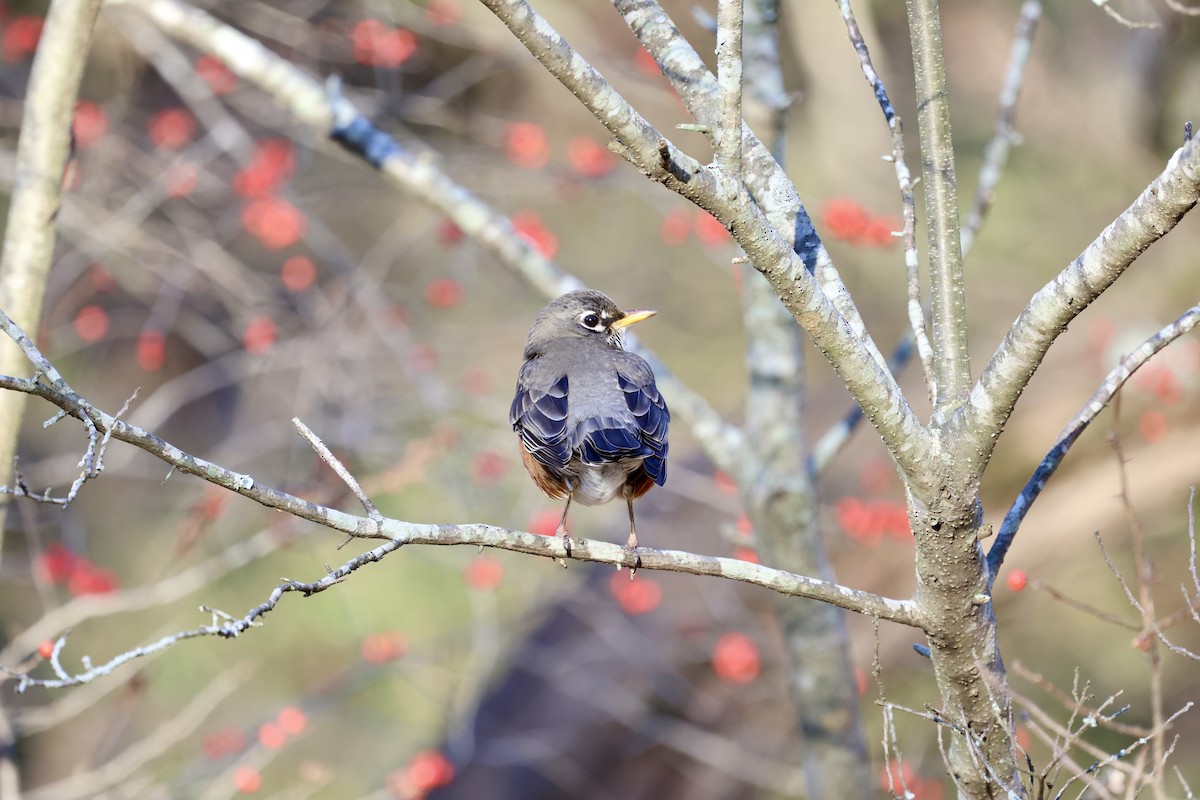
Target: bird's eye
x=591, y=321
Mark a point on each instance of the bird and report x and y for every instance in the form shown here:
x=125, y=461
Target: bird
x=588, y=415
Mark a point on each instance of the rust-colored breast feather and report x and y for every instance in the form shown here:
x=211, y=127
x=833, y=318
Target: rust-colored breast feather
x=544, y=479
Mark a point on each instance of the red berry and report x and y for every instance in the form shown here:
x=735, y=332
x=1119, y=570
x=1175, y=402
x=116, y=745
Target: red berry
x=735, y=658
x=846, y=219
x=746, y=554
x=271, y=736
x=172, y=128
x=710, y=231
x=429, y=770
x=213, y=71
x=292, y=720
x=20, y=37
x=46, y=648
x=56, y=563
x=529, y=226
x=637, y=596
x=247, y=780
x=1153, y=426
x=91, y=323
x=151, y=350
x=484, y=572
x=259, y=335
x=1017, y=580
x=675, y=228
x=526, y=145
x=545, y=523
x=89, y=124
x=379, y=45
x=444, y=293
x=589, y=158
x=298, y=273
x=379, y=648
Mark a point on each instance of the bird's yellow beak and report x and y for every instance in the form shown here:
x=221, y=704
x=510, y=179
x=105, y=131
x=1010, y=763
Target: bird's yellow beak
x=632, y=317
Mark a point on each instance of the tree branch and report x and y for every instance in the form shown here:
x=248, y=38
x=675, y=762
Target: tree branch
x=1151, y=216
x=916, y=310
x=951, y=365
x=729, y=81
x=1108, y=388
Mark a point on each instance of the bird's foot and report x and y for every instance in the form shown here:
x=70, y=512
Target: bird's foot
x=631, y=545
x=566, y=540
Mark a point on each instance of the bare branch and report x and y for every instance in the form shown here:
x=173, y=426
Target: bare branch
x=995, y=155
x=169, y=589
x=1155, y=212
x=916, y=310
x=729, y=80
x=951, y=361
x=1099, y=400
x=339, y=468
x=176, y=729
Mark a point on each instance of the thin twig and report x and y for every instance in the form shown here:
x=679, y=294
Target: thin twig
x=338, y=467
x=1049, y=688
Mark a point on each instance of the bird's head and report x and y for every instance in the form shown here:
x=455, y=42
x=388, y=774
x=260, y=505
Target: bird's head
x=584, y=315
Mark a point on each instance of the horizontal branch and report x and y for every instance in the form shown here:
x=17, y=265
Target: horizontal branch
x=399, y=533
x=1155, y=212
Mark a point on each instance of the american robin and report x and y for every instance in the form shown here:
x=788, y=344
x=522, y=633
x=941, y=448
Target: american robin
x=591, y=422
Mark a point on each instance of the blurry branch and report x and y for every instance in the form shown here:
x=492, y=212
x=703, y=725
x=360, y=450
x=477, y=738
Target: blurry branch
x=155, y=744
x=69, y=705
x=169, y=589
x=916, y=311
x=326, y=110
x=43, y=148
x=997, y=150
x=222, y=625
x=838, y=435
x=951, y=361
x=1155, y=212
x=1108, y=389
x=42, y=152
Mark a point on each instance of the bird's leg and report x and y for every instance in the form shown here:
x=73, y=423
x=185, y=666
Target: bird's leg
x=561, y=530
x=633, y=542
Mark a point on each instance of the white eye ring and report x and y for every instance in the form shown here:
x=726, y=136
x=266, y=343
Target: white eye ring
x=592, y=321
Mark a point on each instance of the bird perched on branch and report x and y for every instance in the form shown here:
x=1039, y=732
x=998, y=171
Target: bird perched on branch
x=591, y=422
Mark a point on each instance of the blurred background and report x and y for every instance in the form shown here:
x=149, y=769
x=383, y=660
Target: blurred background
x=242, y=270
